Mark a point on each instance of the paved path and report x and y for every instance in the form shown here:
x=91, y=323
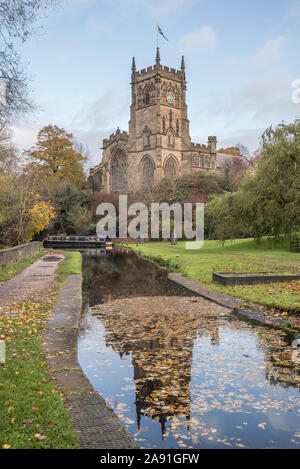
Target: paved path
x=35, y=283
x=96, y=423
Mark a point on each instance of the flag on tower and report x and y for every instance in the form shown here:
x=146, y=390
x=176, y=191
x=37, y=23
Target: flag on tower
x=160, y=32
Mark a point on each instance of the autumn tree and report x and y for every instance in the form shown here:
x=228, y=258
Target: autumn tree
x=72, y=207
x=230, y=151
x=56, y=158
x=268, y=201
x=23, y=212
x=235, y=171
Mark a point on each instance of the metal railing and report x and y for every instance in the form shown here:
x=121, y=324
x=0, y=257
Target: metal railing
x=76, y=238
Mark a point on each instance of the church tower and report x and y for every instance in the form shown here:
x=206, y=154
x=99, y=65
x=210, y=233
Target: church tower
x=158, y=127
x=158, y=143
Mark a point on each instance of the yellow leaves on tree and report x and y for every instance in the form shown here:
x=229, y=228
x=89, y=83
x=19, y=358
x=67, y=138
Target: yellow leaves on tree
x=230, y=151
x=56, y=156
x=40, y=216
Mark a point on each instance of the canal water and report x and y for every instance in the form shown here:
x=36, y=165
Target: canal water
x=181, y=372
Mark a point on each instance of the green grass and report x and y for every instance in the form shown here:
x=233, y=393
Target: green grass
x=32, y=414
x=6, y=273
x=235, y=256
x=71, y=264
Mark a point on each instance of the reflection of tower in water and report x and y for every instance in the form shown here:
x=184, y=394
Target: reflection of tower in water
x=161, y=339
x=162, y=373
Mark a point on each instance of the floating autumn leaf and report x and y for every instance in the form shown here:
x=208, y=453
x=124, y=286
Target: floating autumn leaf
x=262, y=425
x=40, y=437
x=171, y=342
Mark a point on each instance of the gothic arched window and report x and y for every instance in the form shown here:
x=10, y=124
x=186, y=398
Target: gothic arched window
x=147, y=98
x=170, y=168
x=148, y=170
x=119, y=171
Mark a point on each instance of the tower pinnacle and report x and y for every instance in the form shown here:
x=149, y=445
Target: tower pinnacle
x=133, y=68
x=182, y=64
x=157, y=56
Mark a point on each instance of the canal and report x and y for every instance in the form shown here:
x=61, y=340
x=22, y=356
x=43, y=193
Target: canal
x=181, y=372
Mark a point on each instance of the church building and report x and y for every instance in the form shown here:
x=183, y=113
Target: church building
x=158, y=144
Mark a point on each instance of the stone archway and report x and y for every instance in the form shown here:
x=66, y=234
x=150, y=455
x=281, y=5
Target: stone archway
x=171, y=168
x=119, y=171
x=148, y=171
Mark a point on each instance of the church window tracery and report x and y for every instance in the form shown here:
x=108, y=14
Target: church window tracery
x=170, y=168
x=119, y=171
x=148, y=170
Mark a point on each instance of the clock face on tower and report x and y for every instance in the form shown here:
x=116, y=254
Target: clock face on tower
x=170, y=98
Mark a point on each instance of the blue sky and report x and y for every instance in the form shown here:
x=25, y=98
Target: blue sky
x=241, y=59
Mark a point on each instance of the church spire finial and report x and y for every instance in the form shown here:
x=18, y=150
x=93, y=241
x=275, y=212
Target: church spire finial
x=182, y=64
x=157, y=56
x=133, y=68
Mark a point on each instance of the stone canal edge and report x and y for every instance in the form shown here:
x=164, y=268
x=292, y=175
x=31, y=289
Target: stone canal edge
x=96, y=423
x=252, y=314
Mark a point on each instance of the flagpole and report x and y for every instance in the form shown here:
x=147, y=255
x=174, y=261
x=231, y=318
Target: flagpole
x=156, y=36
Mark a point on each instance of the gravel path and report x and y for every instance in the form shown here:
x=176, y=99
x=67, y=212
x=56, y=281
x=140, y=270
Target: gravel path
x=35, y=283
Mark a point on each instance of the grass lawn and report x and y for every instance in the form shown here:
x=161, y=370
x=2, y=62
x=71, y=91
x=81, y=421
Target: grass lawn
x=6, y=273
x=235, y=256
x=71, y=264
x=32, y=413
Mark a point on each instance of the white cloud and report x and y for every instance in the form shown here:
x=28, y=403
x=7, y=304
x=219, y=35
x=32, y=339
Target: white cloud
x=92, y=139
x=258, y=103
x=248, y=137
x=109, y=109
x=97, y=120
x=204, y=39
x=24, y=135
x=93, y=122
x=270, y=52
x=293, y=13
x=270, y=95
x=264, y=89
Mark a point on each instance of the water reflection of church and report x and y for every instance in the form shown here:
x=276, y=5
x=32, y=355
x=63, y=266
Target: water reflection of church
x=161, y=343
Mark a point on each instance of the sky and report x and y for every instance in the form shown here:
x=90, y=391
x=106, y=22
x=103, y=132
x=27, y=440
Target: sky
x=241, y=58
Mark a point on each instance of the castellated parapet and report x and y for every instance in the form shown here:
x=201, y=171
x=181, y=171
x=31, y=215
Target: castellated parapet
x=115, y=137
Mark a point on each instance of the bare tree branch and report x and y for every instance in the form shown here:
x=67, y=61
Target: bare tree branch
x=17, y=19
